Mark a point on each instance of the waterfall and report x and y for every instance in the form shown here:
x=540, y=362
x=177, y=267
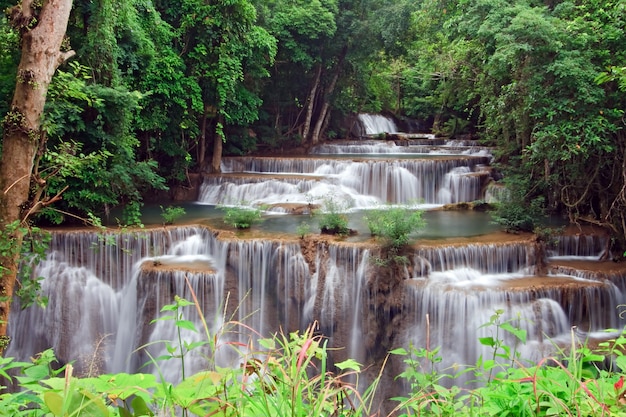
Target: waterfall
x=91, y=281
x=359, y=184
x=107, y=290
x=407, y=147
x=376, y=123
x=105, y=295
x=590, y=247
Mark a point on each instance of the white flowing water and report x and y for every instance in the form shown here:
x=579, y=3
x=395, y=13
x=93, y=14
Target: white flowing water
x=376, y=123
x=105, y=291
x=359, y=184
x=98, y=316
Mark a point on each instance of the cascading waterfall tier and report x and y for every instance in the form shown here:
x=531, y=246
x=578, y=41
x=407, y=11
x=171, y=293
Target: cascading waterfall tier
x=355, y=183
x=413, y=146
x=105, y=291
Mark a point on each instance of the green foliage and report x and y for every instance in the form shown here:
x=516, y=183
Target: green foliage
x=92, y=152
x=520, y=211
x=284, y=375
x=527, y=76
x=241, y=217
x=170, y=214
x=176, y=315
x=29, y=245
x=303, y=229
x=332, y=218
x=9, y=58
x=394, y=225
x=226, y=54
x=554, y=386
x=288, y=374
x=302, y=28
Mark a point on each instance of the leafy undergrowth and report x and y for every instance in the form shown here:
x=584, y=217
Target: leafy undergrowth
x=288, y=375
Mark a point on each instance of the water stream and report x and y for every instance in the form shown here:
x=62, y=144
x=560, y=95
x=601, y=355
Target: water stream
x=105, y=291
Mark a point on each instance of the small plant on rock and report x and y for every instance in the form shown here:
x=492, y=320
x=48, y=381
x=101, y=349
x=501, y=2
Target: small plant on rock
x=171, y=214
x=303, y=229
x=241, y=217
x=394, y=225
x=332, y=220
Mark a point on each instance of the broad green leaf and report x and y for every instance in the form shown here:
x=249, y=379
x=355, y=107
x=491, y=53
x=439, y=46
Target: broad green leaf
x=140, y=407
x=517, y=332
x=487, y=341
x=37, y=372
x=186, y=324
x=620, y=361
x=54, y=402
x=349, y=364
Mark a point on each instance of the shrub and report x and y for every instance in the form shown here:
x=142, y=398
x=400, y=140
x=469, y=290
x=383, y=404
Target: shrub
x=572, y=383
x=515, y=215
x=171, y=214
x=519, y=211
x=332, y=220
x=394, y=225
x=241, y=217
x=303, y=229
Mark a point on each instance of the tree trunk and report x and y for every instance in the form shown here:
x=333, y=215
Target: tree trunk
x=42, y=33
x=202, y=144
x=311, y=104
x=216, y=161
x=322, y=119
x=218, y=144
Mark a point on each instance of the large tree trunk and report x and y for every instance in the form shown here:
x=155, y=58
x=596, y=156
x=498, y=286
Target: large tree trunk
x=42, y=33
x=216, y=161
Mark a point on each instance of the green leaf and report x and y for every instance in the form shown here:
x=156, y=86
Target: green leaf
x=193, y=345
x=517, y=332
x=186, y=324
x=54, y=402
x=399, y=351
x=269, y=344
x=37, y=372
x=349, y=364
x=163, y=318
x=487, y=341
x=620, y=361
x=140, y=407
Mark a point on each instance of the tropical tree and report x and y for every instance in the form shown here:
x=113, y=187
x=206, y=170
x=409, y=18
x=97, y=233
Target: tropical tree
x=525, y=73
x=226, y=53
x=304, y=30
x=41, y=27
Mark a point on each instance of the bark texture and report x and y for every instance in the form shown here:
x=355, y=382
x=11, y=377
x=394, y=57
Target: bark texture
x=42, y=29
x=310, y=104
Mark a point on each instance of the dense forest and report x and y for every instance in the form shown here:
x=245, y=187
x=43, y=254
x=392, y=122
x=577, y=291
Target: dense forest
x=157, y=90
